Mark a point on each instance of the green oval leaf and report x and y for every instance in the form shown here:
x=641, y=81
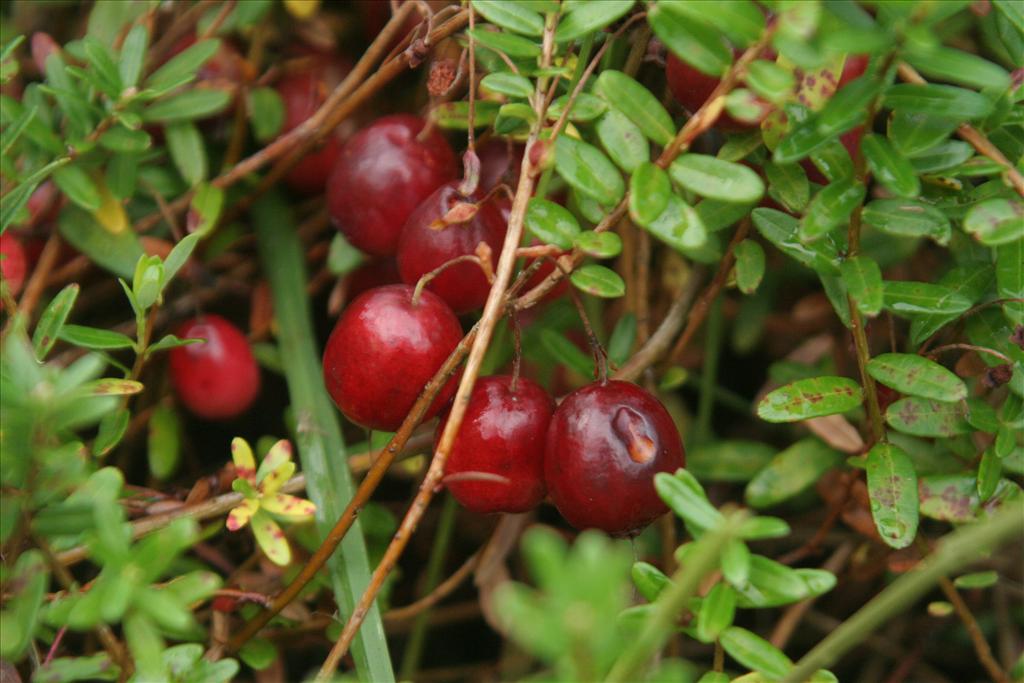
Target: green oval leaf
x=117, y=253
x=730, y=461
x=846, y=108
x=890, y=167
x=917, y=376
x=266, y=113
x=812, y=397
x=187, y=106
x=770, y=81
x=510, y=84
x=679, y=226
x=649, y=192
x=977, y=580
x=941, y=157
x=955, y=66
x=588, y=17
x=911, y=298
x=94, y=338
x=511, y=16
x=622, y=140
x=551, y=223
x=717, y=179
x=183, y=67
x=686, y=497
x=863, y=280
x=694, y=42
x=585, y=107
x=638, y=104
x=512, y=45
x=598, y=244
x=924, y=417
x=599, y=281
x=749, y=266
x=781, y=230
x=52, y=320
x=992, y=222
x=907, y=218
x=830, y=208
x=78, y=186
x=587, y=169
x=754, y=652
x=716, y=612
x=790, y=473
x=771, y=584
x=916, y=132
x=803, y=139
x=187, y=151
x=649, y=580
x=787, y=183
x=938, y=100
x=892, y=489
x=1010, y=279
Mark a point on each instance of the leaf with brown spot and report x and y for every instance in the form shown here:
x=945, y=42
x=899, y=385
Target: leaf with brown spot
x=892, y=487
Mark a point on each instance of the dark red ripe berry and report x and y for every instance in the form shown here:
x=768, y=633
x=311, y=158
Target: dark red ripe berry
x=502, y=435
x=382, y=175
x=605, y=444
x=12, y=265
x=217, y=379
x=500, y=161
x=425, y=246
x=303, y=93
x=383, y=350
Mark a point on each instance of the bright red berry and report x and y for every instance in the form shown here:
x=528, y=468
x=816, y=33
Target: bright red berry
x=426, y=244
x=13, y=264
x=497, y=460
x=604, y=446
x=382, y=175
x=303, y=93
x=217, y=379
x=384, y=349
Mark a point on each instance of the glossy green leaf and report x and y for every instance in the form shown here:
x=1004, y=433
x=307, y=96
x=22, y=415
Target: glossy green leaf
x=892, y=489
x=781, y=230
x=511, y=16
x=915, y=132
x=183, y=67
x=995, y=221
x=187, y=151
x=512, y=45
x=637, y=103
x=956, y=66
x=117, y=253
x=694, y=42
x=685, y=496
x=551, y=223
x=514, y=118
x=598, y=281
x=111, y=430
x=649, y=580
x=164, y=442
x=94, y=338
x=990, y=470
x=622, y=140
x=74, y=182
x=133, y=56
x=207, y=202
x=917, y=376
x=942, y=157
x=863, y=279
x=771, y=584
x=1010, y=279
x=679, y=226
x=102, y=67
x=717, y=215
x=587, y=169
x=585, y=107
x=736, y=562
x=846, y=108
x=907, y=218
x=912, y=298
x=812, y=397
x=761, y=527
x=831, y=208
x=890, y=167
x=743, y=105
x=749, y=265
x=649, y=192
x=938, y=100
x=123, y=140
x=788, y=184
x=510, y=84
x=924, y=417
x=187, y=106
x=754, y=652
x=791, y=472
x=589, y=17
x=717, y=179
x=716, y=612
x=741, y=21
x=803, y=139
x=833, y=160
x=266, y=113
x=728, y=461
x=770, y=81
x=52, y=320
x=977, y=580
x=598, y=244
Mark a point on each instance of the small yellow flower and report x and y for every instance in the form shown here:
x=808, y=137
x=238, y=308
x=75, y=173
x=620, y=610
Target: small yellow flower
x=263, y=501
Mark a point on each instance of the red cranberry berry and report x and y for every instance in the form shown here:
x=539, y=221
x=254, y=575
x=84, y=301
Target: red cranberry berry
x=384, y=349
x=217, y=379
x=500, y=160
x=303, y=93
x=382, y=175
x=13, y=264
x=426, y=245
x=605, y=444
x=502, y=435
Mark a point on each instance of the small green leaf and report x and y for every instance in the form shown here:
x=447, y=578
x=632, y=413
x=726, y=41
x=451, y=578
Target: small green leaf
x=187, y=151
x=754, y=652
x=206, y=205
x=111, y=430
x=586, y=18
x=638, y=104
x=598, y=281
x=924, y=417
x=802, y=139
x=598, y=244
x=551, y=223
x=955, y=66
x=831, y=208
x=716, y=612
x=863, y=279
x=588, y=170
x=812, y=397
x=770, y=81
x=167, y=342
x=833, y=160
x=943, y=156
x=938, y=100
x=649, y=580
x=907, y=218
x=728, y=461
x=27, y=580
x=511, y=16
x=649, y=192
x=977, y=580
x=788, y=184
x=1010, y=279
x=781, y=230
x=585, y=107
x=912, y=298
x=512, y=45
x=846, y=108
x=717, y=215
x=890, y=167
x=917, y=376
x=621, y=340
x=771, y=584
x=622, y=140
x=749, y=265
x=736, y=562
x=78, y=186
x=267, y=113
x=717, y=179
x=504, y=83
x=892, y=489
x=455, y=115
x=791, y=472
x=686, y=497
x=164, y=442
x=125, y=140
x=694, y=42
x=94, y=338
x=995, y=221
x=117, y=253
x=190, y=105
x=990, y=470
x=183, y=67
x=742, y=21
x=52, y=320
x=916, y=132
x=133, y=55
x=258, y=653
x=761, y=527
x=679, y=226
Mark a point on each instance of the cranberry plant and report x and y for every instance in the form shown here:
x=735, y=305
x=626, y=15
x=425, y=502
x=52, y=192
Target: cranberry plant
x=512, y=253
